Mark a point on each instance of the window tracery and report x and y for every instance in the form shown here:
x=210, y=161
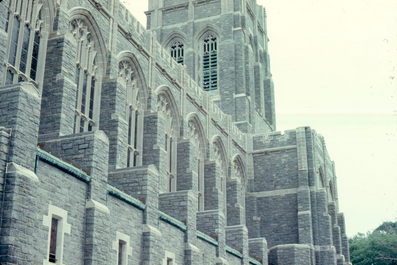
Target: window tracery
x=210, y=62
x=27, y=36
x=220, y=160
x=87, y=76
x=164, y=107
x=177, y=51
x=134, y=112
x=196, y=138
x=238, y=170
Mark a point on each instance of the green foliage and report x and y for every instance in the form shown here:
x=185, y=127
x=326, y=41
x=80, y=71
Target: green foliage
x=376, y=248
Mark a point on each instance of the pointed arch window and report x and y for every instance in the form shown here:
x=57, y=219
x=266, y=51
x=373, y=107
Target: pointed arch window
x=27, y=37
x=87, y=78
x=220, y=159
x=196, y=136
x=177, y=51
x=170, y=143
x=134, y=114
x=210, y=62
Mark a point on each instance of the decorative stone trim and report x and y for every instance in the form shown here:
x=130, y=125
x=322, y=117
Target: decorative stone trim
x=63, y=228
x=97, y=205
x=65, y=167
x=17, y=169
x=169, y=255
x=126, y=198
x=128, y=248
x=207, y=238
x=254, y=261
x=234, y=252
x=172, y=221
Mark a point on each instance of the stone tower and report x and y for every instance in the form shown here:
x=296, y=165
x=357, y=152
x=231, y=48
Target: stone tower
x=223, y=45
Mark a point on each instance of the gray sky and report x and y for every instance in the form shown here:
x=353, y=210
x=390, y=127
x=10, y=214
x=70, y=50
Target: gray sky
x=334, y=64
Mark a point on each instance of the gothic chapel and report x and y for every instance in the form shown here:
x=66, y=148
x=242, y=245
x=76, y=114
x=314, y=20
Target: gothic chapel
x=126, y=145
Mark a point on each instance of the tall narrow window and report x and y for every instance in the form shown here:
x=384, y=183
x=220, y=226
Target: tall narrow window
x=210, y=63
x=200, y=180
x=169, y=261
x=87, y=78
x=170, y=154
x=53, y=241
x=122, y=248
x=177, y=51
x=168, y=112
x=56, y=222
x=122, y=253
x=26, y=36
x=134, y=114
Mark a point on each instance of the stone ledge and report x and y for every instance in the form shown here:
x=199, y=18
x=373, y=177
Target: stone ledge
x=172, y=221
x=254, y=261
x=126, y=198
x=13, y=168
x=58, y=163
x=233, y=251
x=207, y=238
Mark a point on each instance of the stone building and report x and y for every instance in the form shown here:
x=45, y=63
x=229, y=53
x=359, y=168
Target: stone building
x=125, y=145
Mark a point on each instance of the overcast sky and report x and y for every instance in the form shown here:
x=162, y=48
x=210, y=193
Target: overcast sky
x=334, y=64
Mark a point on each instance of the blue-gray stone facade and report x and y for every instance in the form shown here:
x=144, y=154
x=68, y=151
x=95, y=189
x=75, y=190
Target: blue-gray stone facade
x=112, y=151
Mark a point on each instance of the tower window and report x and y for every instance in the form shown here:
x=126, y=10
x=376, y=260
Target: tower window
x=210, y=63
x=169, y=261
x=177, y=51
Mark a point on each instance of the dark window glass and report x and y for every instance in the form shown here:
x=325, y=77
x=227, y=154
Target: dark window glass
x=84, y=93
x=129, y=152
x=10, y=77
x=177, y=52
x=170, y=156
x=92, y=97
x=25, y=48
x=210, y=64
x=136, y=129
x=82, y=125
x=53, y=241
x=129, y=126
x=7, y=21
x=35, y=56
x=14, y=41
x=121, y=252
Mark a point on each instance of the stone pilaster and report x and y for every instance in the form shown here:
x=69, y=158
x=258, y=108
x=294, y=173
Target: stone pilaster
x=20, y=111
x=235, y=204
x=113, y=122
x=258, y=249
x=59, y=88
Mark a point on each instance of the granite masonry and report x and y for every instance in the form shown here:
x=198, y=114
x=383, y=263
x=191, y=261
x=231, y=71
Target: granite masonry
x=125, y=145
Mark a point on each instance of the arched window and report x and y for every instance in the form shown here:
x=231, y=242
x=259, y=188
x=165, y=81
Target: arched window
x=210, y=62
x=134, y=112
x=220, y=159
x=88, y=78
x=197, y=138
x=27, y=36
x=165, y=108
x=177, y=51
